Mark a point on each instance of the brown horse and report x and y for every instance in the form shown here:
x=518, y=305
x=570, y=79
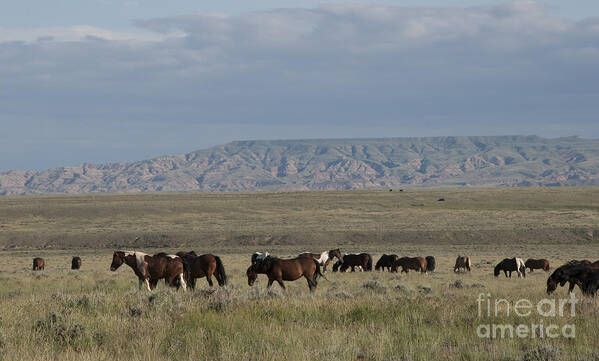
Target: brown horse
x=462, y=262
x=534, y=264
x=574, y=273
x=387, y=260
x=76, y=263
x=323, y=258
x=38, y=264
x=430, y=263
x=408, y=263
x=205, y=265
x=361, y=260
x=150, y=269
x=280, y=270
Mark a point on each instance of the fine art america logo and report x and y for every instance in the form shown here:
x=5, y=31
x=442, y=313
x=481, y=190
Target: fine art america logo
x=548, y=310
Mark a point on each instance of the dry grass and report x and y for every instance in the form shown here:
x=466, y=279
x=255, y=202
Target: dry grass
x=96, y=314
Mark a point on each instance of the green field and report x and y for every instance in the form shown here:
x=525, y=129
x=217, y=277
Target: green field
x=97, y=314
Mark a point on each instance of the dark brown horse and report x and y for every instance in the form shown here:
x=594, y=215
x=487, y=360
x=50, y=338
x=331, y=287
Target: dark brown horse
x=361, y=260
x=430, y=263
x=574, y=273
x=462, y=262
x=150, y=269
x=510, y=265
x=38, y=264
x=388, y=261
x=205, y=265
x=323, y=258
x=408, y=263
x=76, y=263
x=534, y=264
x=280, y=270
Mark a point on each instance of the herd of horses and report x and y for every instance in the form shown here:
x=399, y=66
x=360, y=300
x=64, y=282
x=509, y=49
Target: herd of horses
x=182, y=269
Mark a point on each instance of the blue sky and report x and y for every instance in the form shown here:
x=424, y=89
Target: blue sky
x=107, y=80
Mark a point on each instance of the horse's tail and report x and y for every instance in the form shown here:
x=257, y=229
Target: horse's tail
x=220, y=274
x=317, y=273
x=187, y=270
x=369, y=264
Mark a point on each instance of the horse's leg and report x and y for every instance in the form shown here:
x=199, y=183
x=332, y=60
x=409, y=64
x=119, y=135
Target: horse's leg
x=209, y=279
x=311, y=284
x=280, y=281
x=182, y=282
x=270, y=281
x=353, y=269
x=147, y=281
x=141, y=282
x=571, y=288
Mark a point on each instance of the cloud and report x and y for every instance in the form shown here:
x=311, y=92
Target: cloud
x=510, y=68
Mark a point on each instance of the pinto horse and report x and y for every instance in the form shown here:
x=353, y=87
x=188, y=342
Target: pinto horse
x=150, y=269
x=408, y=263
x=280, y=270
x=534, y=264
x=387, y=260
x=462, y=262
x=323, y=258
x=38, y=264
x=510, y=265
x=76, y=263
x=205, y=265
x=259, y=256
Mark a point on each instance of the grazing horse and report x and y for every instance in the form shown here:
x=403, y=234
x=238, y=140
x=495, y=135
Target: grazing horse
x=76, y=263
x=205, y=265
x=462, y=262
x=573, y=272
x=534, y=264
x=38, y=264
x=387, y=260
x=408, y=263
x=353, y=260
x=323, y=258
x=150, y=269
x=430, y=263
x=280, y=270
x=510, y=265
x=259, y=256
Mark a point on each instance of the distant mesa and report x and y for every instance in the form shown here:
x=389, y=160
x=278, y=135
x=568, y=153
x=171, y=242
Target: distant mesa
x=332, y=164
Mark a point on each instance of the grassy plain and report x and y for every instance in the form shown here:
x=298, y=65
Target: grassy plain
x=95, y=314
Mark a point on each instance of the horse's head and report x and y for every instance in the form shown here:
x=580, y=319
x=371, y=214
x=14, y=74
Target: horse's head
x=118, y=258
x=335, y=253
x=551, y=285
x=252, y=275
x=497, y=269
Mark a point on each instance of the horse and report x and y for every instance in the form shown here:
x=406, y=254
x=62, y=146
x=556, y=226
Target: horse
x=387, y=260
x=38, y=264
x=408, y=263
x=353, y=260
x=534, y=264
x=280, y=270
x=510, y=265
x=206, y=265
x=150, y=269
x=323, y=258
x=430, y=263
x=462, y=262
x=259, y=256
x=76, y=263
x=573, y=272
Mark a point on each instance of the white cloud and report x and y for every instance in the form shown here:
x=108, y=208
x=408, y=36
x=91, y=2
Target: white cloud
x=510, y=67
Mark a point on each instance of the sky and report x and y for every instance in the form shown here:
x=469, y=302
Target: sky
x=113, y=80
